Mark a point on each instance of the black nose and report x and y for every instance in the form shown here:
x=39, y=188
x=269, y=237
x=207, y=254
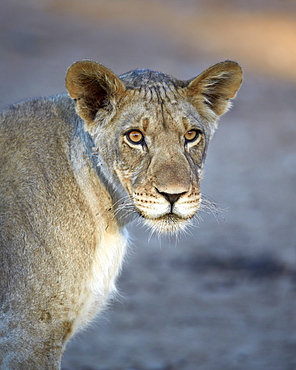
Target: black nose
x=172, y=198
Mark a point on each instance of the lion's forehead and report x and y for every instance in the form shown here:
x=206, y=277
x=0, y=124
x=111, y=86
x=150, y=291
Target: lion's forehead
x=157, y=108
x=158, y=93
x=153, y=86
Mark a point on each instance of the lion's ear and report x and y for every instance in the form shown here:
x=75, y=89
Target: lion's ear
x=211, y=91
x=94, y=87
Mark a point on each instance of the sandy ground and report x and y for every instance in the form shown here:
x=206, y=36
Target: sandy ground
x=224, y=296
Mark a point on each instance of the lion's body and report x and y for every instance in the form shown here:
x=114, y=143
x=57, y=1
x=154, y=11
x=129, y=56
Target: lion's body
x=57, y=262
x=68, y=187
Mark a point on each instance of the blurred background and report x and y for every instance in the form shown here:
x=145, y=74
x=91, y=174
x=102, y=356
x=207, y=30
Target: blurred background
x=223, y=296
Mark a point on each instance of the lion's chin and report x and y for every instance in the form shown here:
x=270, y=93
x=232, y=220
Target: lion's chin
x=168, y=224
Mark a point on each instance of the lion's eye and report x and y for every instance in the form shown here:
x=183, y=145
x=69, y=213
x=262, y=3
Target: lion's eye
x=192, y=136
x=135, y=137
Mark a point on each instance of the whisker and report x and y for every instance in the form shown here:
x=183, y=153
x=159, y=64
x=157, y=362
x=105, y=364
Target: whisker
x=123, y=204
x=125, y=211
x=127, y=217
x=123, y=207
x=122, y=200
x=210, y=207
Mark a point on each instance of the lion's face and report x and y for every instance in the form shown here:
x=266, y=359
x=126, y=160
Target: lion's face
x=152, y=134
x=157, y=152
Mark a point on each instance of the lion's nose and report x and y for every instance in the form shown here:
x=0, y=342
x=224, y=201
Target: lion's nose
x=171, y=198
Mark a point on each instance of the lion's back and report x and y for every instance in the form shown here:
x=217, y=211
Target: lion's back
x=37, y=186
x=34, y=146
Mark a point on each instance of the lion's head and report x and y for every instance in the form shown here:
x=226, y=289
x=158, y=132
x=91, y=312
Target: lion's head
x=151, y=132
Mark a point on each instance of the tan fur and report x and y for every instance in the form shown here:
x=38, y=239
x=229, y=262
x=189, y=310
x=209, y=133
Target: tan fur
x=70, y=185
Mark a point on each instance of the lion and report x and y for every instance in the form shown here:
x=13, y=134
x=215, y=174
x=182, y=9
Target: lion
x=75, y=170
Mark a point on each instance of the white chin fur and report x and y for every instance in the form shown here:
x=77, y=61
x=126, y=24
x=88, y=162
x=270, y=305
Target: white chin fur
x=168, y=225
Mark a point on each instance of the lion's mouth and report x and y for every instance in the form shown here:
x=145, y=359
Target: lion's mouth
x=164, y=216
x=169, y=223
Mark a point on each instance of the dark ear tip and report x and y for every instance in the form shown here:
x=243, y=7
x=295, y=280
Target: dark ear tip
x=227, y=66
x=234, y=66
x=230, y=63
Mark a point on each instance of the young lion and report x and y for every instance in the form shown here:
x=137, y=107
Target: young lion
x=74, y=172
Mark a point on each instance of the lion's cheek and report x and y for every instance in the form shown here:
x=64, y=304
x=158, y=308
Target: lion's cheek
x=124, y=175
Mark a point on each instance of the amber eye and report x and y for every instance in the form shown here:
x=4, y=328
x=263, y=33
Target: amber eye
x=192, y=135
x=135, y=137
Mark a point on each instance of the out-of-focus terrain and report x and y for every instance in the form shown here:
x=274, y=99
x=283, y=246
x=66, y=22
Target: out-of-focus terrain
x=224, y=296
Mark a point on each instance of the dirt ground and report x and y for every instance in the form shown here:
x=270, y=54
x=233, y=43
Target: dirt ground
x=224, y=296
